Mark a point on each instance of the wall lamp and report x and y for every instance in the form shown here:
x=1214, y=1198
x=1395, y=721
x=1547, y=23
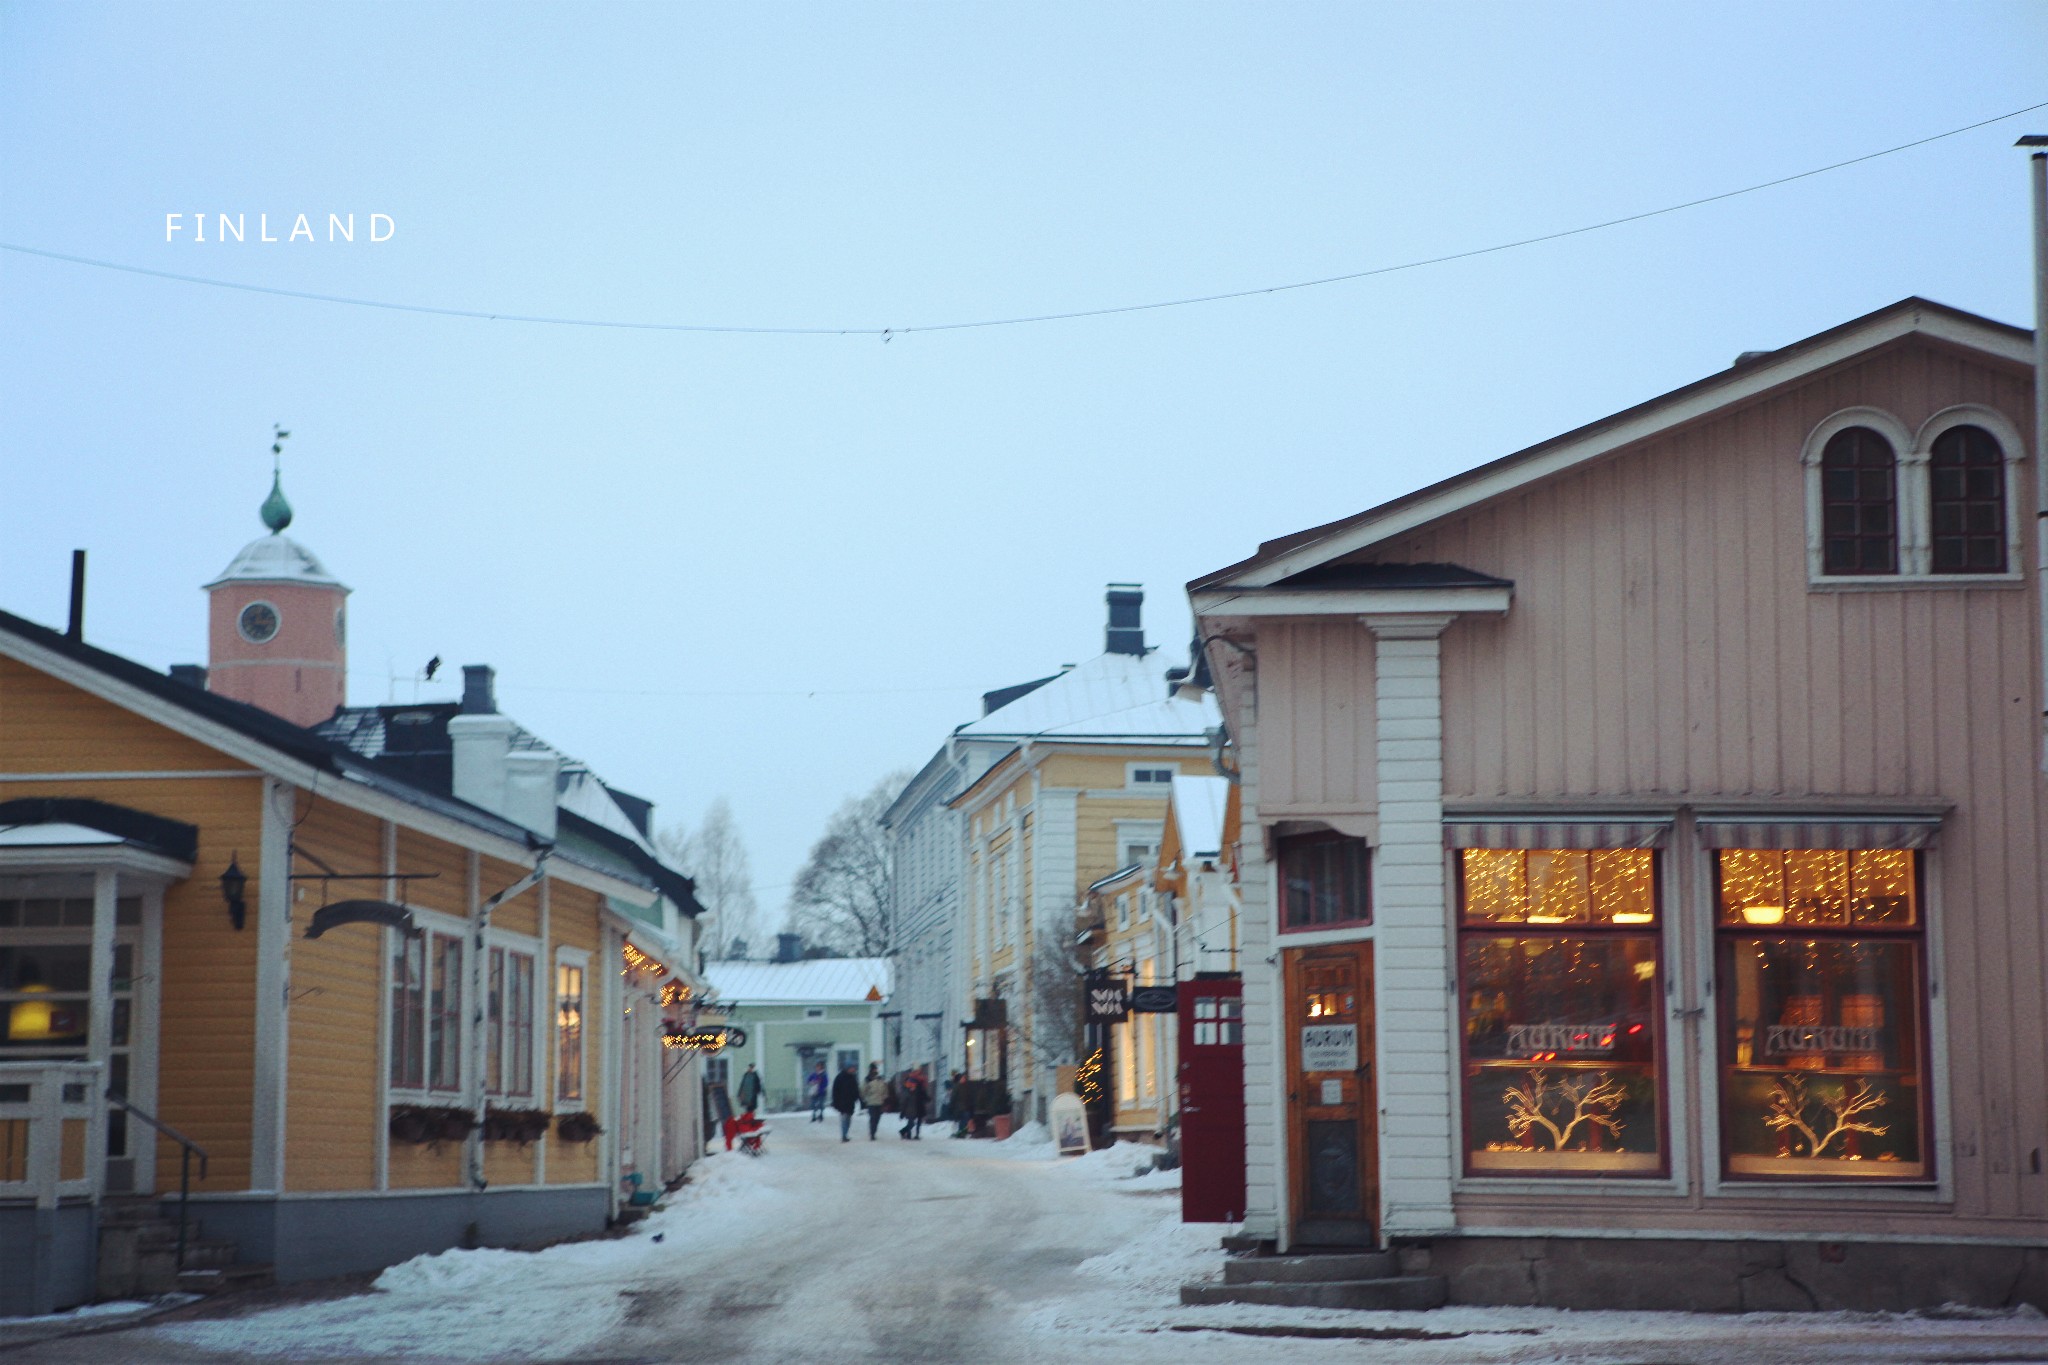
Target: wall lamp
x=233, y=883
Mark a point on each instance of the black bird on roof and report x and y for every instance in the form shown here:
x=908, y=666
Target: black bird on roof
x=433, y=667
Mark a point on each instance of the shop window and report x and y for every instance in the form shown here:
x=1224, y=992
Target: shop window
x=1823, y=982
x=1324, y=882
x=1560, y=991
x=568, y=1032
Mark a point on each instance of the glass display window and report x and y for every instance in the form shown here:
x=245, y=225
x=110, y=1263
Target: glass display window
x=1822, y=1029
x=1560, y=992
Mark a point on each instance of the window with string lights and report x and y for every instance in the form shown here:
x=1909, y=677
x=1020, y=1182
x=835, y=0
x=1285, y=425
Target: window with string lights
x=1560, y=984
x=1823, y=973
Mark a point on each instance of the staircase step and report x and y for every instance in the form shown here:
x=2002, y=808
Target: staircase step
x=1369, y=1265
x=221, y=1279
x=1394, y=1291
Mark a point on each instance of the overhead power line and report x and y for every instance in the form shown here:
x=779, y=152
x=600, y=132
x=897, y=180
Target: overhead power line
x=1022, y=319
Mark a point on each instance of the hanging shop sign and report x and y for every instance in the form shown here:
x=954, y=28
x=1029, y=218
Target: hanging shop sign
x=637, y=961
x=1108, y=1001
x=1155, y=999
x=1329, y=1047
x=705, y=1039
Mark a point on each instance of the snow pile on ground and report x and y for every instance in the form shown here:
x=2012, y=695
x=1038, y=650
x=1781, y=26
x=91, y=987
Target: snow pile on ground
x=1163, y=1257
x=495, y=1305
x=1119, y=1161
x=1153, y=1181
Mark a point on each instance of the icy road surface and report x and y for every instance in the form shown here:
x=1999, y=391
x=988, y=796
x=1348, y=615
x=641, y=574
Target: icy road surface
x=942, y=1252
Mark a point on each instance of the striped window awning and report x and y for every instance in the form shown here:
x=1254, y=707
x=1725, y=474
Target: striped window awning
x=1846, y=831
x=1556, y=833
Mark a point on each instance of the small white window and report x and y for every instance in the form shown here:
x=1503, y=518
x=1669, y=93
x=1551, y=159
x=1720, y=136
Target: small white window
x=1145, y=776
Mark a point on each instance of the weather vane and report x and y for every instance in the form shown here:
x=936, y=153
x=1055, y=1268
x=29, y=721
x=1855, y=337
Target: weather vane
x=276, y=512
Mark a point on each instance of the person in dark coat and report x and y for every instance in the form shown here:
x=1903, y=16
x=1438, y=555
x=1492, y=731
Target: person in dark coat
x=846, y=1099
x=913, y=1101
x=963, y=1105
x=750, y=1089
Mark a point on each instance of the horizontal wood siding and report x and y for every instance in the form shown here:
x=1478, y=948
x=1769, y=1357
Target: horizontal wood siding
x=47, y=725
x=574, y=922
x=331, y=1114
x=521, y=914
x=1664, y=642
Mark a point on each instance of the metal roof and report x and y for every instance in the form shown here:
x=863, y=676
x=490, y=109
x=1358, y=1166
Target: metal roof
x=1110, y=697
x=815, y=981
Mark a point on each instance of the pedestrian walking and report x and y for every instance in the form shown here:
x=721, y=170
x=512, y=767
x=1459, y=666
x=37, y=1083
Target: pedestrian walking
x=846, y=1099
x=750, y=1089
x=913, y=1101
x=874, y=1093
x=963, y=1105
x=815, y=1086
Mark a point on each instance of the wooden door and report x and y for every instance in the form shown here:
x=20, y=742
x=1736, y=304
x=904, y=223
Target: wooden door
x=1332, y=1105
x=1212, y=1100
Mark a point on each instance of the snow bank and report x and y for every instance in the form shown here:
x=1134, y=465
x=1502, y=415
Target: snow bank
x=1164, y=1257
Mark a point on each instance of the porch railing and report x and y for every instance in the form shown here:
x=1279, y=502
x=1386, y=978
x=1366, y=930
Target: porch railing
x=53, y=1132
x=187, y=1150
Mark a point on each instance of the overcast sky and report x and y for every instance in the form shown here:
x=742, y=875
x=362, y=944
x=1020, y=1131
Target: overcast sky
x=777, y=566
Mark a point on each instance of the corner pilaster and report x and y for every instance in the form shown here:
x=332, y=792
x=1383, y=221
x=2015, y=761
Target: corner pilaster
x=1416, y=981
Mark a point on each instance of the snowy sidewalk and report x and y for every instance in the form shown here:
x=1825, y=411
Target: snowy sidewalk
x=950, y=1252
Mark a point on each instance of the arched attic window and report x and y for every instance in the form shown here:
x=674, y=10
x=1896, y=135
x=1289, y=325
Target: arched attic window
x=1966, y=471
x=1859, y=496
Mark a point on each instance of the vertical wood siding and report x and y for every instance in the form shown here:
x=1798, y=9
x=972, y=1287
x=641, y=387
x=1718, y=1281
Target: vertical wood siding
x=1664, y=642
x=1316, y=719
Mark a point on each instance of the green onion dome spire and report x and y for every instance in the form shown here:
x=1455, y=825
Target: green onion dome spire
x=277, y=513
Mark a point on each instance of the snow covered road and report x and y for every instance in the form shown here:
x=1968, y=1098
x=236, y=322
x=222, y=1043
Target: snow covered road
x=943, y=1252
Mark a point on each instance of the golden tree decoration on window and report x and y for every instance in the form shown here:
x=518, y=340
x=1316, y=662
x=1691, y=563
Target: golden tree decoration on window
x=1790, y=1102
x=1580, y=1099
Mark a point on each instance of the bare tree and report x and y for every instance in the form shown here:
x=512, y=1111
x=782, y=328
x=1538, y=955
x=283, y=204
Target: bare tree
x=713, y=856
x=841, y=897
x=1058, y=992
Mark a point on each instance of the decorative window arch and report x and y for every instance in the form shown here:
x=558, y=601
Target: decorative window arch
x=1966, y=499
x=1854, y=508
x=1972, y=453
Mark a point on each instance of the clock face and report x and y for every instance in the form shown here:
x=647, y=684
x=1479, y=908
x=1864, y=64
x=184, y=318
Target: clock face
x=258, y=622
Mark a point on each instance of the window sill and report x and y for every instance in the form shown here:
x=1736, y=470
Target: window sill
x=1324, y=933
x=1901, y=582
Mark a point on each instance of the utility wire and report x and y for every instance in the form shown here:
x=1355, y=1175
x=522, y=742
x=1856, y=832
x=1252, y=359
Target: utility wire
x=1023, y=319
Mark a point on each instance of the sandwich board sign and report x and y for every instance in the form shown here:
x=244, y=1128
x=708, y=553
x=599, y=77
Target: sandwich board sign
x=1069, y=1124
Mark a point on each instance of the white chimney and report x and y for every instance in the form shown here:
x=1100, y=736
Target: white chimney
x=519, y=785
x=531, y=780
x=482, y=746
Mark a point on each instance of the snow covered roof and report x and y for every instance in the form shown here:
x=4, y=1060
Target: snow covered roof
x=276, y=559
x=1111, y=697
x=52, y=836
x=816, y=981
x=1198, y=806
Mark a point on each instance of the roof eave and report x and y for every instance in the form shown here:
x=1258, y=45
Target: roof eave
x=1908, y=318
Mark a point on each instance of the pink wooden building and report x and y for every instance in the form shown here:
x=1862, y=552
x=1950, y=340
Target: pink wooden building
x=1644, y=834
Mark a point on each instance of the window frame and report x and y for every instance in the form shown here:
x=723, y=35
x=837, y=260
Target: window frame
x=579, y=960
x=498, y=1042
x=1666, y=1176
x=1932, y=1181
x=431, y=924
x=1285, y=930
x=1913, y=497
x=1153, y=786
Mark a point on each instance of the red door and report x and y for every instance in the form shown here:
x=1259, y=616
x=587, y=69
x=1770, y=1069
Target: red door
x=1212, y=1100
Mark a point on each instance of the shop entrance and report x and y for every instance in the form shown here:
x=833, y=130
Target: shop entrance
x=1212, y=1100
x=1332, y=1104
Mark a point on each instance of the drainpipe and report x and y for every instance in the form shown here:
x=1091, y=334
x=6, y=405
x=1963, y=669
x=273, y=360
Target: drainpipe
x=2039, y=161
x=480, y=977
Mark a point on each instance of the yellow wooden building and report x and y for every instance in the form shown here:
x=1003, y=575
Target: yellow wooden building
x=391, y=1019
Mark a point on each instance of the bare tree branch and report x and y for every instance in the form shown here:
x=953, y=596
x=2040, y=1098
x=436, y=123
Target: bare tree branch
x=841, y=897
x=715, y=858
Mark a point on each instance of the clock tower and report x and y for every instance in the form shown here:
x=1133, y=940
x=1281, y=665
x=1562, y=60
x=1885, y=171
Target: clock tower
x=276, y=633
